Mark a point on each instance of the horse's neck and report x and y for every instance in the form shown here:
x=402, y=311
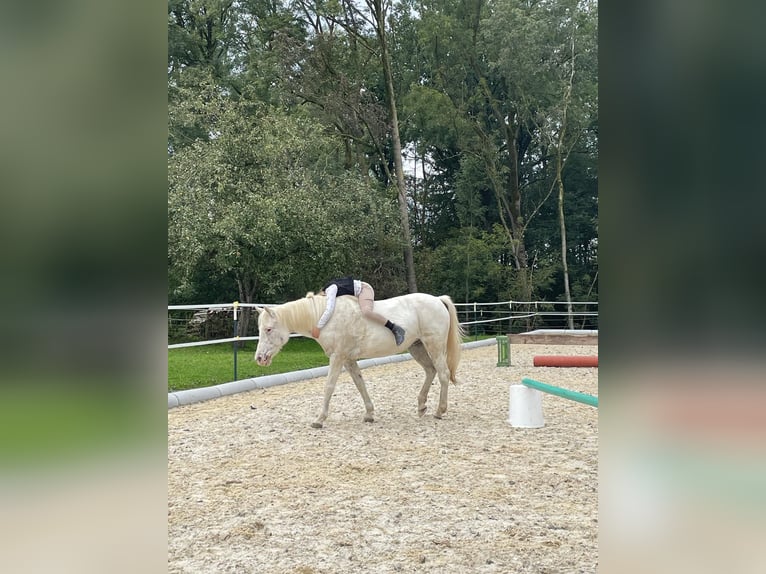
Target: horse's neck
x=301, y=315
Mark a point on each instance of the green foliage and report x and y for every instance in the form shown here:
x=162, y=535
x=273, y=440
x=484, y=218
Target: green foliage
x=431, y=119
x=200, y=34
x=471, y=266
x=264, y=199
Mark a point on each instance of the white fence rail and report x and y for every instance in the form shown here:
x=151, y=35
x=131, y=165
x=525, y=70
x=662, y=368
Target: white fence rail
x=495, y=318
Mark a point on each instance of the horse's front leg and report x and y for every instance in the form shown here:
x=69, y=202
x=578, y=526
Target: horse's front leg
x=329, y=388
x=356, y=374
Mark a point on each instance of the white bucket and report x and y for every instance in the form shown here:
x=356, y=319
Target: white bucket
x=525, y=409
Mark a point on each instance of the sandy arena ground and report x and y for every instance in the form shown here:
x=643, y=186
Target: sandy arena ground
x=252, y=488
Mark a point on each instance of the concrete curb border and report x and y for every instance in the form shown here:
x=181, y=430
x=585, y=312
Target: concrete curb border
x=189, y=396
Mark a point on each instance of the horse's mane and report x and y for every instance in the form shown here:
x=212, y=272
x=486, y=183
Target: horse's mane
x=302, y=314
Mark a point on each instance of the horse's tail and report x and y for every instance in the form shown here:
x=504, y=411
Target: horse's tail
x=454, y=338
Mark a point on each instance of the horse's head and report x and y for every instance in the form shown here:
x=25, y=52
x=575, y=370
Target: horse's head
x=272, y=336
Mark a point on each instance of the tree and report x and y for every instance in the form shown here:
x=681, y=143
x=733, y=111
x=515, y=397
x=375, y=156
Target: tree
x=378, y=10
x=266, y=201
x=549, y=55
x=493, y=132
x=355, y=115
x=494, y=103
x=503, y=67
x=201, y=35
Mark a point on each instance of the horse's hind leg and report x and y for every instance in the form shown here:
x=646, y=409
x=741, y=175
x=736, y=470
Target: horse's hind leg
x=356, y=375
x=419, y=353
x=440, y=362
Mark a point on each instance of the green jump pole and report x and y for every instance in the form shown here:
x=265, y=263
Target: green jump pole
x=559, y=392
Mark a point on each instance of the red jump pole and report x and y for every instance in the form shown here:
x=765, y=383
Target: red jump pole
x=565, y=361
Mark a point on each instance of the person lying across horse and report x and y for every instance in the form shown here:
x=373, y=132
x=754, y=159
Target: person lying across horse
x=365, y=294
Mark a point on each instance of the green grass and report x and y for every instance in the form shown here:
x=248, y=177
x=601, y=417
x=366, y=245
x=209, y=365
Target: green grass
x=194, y=367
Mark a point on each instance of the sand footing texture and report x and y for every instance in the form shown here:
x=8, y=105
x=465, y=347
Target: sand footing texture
x=253, y=488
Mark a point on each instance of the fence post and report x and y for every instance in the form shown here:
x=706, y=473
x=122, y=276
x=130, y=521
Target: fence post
x=236, y=337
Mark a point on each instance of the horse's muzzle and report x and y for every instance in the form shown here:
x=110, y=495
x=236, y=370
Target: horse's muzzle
x=263, y=360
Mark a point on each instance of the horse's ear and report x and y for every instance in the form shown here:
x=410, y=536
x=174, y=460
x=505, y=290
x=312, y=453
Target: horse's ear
x=310, y=294
x=267, y=310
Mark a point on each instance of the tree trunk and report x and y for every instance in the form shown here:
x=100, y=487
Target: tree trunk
x=563, y=230
x=561, y=158
x=246, y=288
x=380, y=21
x=514, y=206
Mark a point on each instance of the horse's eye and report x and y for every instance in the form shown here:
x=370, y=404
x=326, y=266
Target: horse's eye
x=268, y=329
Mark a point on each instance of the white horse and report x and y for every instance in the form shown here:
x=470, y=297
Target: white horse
x=433, y=336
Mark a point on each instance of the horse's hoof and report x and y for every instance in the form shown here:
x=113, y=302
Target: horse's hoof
x=438, y=416
x=369, y=419
x=316, y=425
x=421, y=412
